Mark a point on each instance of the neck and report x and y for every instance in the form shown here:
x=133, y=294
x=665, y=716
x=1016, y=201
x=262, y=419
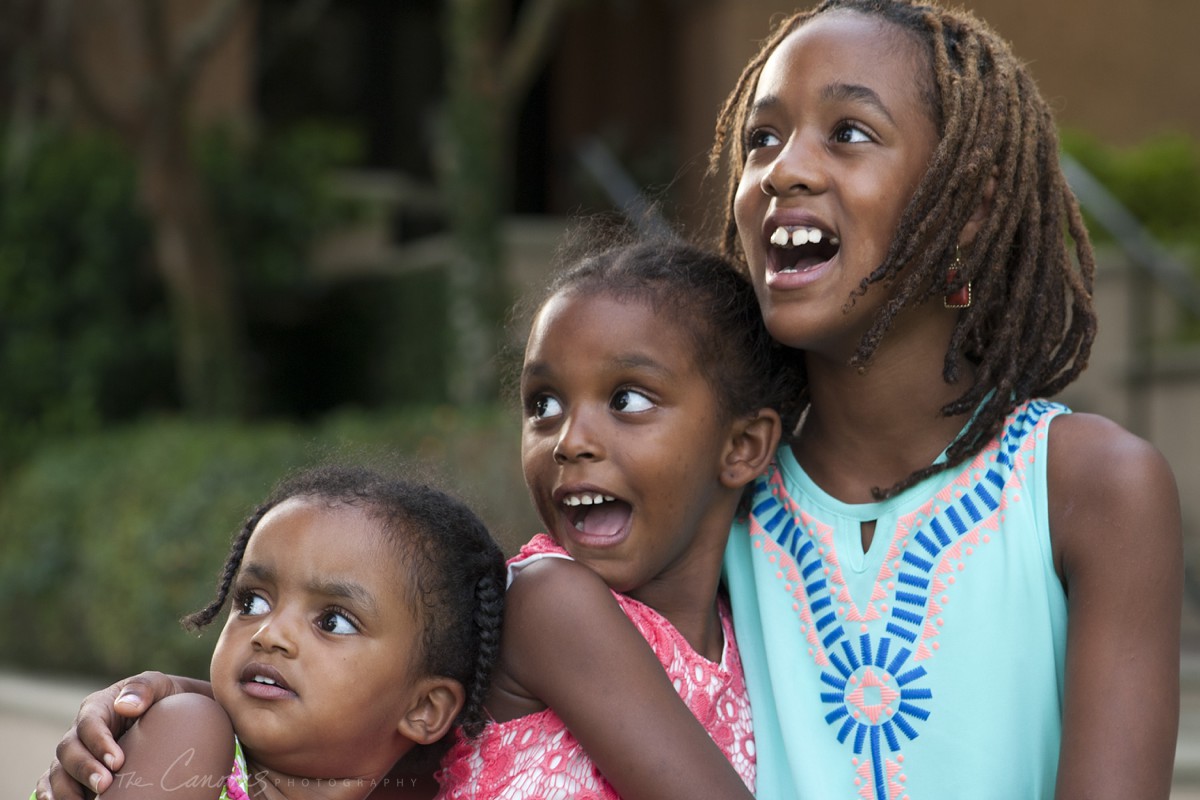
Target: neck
x=685, y=592
x=873, y=429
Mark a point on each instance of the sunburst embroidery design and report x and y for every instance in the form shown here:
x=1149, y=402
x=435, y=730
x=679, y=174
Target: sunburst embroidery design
x=874, y=682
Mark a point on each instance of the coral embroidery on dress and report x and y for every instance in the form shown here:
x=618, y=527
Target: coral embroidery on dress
x=872, y=680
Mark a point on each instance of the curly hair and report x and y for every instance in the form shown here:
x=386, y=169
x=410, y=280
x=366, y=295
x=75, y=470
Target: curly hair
x=1030, y=326
x=702, y=293
x=457, y=568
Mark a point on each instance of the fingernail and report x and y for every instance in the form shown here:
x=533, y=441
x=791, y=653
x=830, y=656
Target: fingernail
x=128, y=699
x=108, y=760
x=94, y=782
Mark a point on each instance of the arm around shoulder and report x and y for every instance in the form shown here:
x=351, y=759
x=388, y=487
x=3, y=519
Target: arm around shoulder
x=567, y=643
x=1117, y=535
x=181, y=748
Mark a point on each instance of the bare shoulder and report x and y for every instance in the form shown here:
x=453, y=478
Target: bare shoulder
x=564, y=580
x=555, y=602
x=181, y=748
x=1117, y=536
x=554, y=610
x=1107, y=488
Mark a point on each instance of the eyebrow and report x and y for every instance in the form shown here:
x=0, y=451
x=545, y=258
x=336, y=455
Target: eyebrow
x=854, y=92
x=540, y=369
x=346, y=590
x=834, y=92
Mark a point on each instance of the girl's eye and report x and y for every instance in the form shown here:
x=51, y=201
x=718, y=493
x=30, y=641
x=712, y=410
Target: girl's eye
x=849, y=133
x=544, y=406
x=631, y=402
x=760, y=137
x=337, y=623
x=250, y=604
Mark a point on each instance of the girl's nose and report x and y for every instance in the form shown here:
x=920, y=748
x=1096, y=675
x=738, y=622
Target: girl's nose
x=577, y=440
x=796, y=169
x=276, y=633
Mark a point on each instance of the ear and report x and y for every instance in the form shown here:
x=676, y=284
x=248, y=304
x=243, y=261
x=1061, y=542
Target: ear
x=981, y=212
x=751, y=447
x=436, y=704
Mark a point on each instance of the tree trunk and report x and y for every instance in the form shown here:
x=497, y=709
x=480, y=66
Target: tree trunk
x=475, y=180
x=486, y=81
x=191, y=260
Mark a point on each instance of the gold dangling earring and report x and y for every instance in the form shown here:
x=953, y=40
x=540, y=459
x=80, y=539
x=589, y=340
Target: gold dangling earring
x=960, y=297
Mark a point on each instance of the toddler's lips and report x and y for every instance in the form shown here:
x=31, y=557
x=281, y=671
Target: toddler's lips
x=264, y=682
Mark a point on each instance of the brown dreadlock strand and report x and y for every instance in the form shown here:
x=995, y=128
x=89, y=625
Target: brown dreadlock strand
x=1031, y=325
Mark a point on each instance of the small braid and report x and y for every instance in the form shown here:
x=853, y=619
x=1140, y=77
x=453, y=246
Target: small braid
x=199, y=619
x=489, y=614
x=1030, y=327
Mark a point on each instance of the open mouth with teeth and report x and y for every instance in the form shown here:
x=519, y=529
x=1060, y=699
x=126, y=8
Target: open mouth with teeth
x=597, y=515
x=796, y=249
x=265, y=682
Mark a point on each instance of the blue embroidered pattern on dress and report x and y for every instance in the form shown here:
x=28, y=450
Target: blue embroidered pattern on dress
x=872, y=684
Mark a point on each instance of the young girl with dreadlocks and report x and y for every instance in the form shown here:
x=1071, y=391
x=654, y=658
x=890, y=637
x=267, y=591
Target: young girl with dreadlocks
x=365, y=621
x=948, y=585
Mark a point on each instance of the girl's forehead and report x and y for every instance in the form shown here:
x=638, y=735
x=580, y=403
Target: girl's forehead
x=571, y=302
x=848, y=55
x=575, y=325
x=849, y=44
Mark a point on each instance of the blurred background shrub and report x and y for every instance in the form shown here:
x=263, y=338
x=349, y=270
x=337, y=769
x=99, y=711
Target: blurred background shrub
x=111, y=537
x=1158, y=181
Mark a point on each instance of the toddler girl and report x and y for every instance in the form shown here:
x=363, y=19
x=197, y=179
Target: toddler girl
x=364, y=621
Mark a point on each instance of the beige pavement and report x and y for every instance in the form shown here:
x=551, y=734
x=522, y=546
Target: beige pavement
x=34, y=713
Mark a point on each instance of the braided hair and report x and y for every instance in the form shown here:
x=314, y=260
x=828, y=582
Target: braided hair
x=457, y=567
x=1030, y=326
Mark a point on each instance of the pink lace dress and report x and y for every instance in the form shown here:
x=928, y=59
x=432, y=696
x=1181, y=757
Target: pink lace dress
x=536, y=758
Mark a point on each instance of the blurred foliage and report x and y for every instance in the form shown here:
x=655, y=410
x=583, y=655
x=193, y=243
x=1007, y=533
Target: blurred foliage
x=273, y=199
x=84, y=332
x=111, y=538
x=86, y=337
x=1158, y=181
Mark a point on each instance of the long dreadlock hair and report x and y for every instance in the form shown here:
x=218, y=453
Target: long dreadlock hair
x=1030, y=326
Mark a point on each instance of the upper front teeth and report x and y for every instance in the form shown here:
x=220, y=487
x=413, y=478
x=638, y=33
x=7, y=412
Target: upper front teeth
x=586, y=499
x=782, y=237
x=264, y=679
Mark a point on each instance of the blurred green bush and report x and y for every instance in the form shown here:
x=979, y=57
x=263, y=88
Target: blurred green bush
x=84, y=332
x=86, y=336
x=108, y=539
x=1157, y=180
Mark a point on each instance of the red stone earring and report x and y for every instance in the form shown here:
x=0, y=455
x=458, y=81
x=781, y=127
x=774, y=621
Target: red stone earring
x=960, y=297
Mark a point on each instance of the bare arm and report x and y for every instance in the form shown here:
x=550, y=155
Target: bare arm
x=89, y=751
x=567, y=642
x=180, y=749
x=1117, y=534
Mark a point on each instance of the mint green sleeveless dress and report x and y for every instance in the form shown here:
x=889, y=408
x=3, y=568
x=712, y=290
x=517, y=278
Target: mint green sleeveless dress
x=929, y=667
